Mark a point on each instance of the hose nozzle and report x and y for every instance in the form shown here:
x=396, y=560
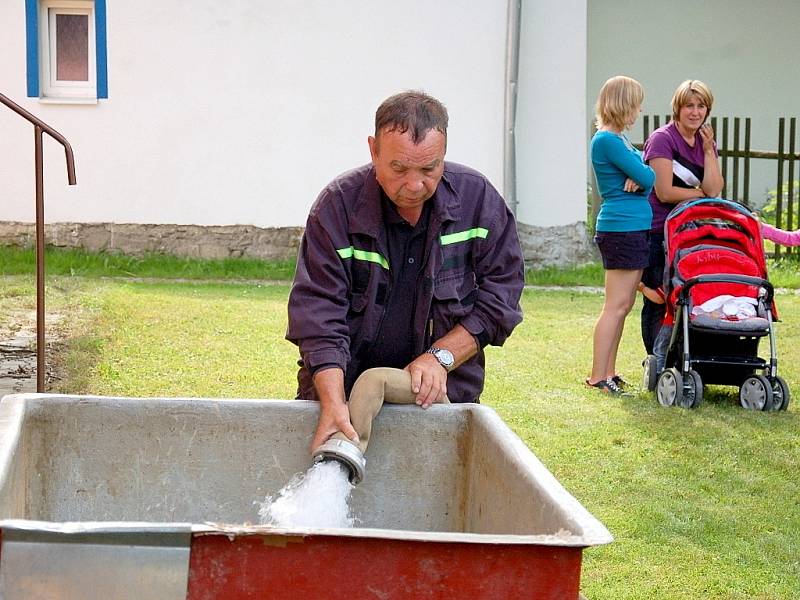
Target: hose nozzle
x=371, y=389
x=346, y=453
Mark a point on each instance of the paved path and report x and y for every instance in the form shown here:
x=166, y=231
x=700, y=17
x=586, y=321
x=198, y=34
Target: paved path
x=18, y=363
x=18, y=351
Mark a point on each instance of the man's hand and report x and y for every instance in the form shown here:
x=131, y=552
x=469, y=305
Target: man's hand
x=333, y=419
x=428, y=380
x=428, y=377
x=334, y=416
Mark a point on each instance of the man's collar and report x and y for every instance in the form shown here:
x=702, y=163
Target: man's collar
x=389, y=210
x=367, y=217
x=392, y=216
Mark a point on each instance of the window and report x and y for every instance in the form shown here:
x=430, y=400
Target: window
x=66, y=50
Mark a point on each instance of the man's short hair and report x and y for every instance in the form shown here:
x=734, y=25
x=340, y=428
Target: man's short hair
x=414, y=112
x=684, y=93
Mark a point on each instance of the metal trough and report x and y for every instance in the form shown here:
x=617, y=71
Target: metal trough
x=154, y=498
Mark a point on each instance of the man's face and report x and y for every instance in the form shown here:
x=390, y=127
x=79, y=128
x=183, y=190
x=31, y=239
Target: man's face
x=408, y=172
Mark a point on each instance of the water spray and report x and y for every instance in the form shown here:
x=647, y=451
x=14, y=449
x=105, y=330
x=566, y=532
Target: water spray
x=320, y=497
x=345, y=452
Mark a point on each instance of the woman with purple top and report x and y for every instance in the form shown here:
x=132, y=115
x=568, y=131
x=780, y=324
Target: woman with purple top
x=684, y=156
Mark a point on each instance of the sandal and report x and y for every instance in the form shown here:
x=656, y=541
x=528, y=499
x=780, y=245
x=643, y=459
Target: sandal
x=621, y=383
x=607, y=386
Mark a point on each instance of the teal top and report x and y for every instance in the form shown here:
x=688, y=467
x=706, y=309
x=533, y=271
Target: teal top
x=614, y=160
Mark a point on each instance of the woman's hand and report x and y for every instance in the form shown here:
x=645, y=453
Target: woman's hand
x=707, y=135
x=631, y=186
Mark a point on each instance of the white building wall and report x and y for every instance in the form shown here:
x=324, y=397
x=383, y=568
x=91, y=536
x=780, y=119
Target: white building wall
x=239, y=112
x=745, y=51
x=551, y=113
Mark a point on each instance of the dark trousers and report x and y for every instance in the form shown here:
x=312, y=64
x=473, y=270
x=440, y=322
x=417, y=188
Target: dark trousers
x=653, y=276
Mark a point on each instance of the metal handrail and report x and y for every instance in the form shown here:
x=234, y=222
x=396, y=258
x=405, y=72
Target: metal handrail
x=40, y=127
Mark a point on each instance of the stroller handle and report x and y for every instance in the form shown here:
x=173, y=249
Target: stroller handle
x=683, y=297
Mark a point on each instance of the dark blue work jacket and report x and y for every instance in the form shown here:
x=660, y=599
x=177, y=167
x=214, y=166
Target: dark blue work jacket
x=473, y=275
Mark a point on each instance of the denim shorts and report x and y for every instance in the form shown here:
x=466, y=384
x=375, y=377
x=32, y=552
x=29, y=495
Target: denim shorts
x=623, y=249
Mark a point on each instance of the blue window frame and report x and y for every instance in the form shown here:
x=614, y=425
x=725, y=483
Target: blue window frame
x=41, y=35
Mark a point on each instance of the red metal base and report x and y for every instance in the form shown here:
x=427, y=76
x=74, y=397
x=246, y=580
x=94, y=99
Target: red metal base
x=265, y=566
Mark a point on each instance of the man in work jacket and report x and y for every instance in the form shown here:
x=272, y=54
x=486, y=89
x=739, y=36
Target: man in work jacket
x=408, y=262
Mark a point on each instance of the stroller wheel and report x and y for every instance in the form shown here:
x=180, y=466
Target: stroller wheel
x=756, y=393
x=780, y=394
x=650, y=375
x=669, y=389
x=692, y=390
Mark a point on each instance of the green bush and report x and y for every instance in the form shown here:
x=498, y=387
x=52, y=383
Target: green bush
x=769, y=211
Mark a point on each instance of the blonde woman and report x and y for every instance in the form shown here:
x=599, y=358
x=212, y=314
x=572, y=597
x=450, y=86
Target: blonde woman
x=624, y=182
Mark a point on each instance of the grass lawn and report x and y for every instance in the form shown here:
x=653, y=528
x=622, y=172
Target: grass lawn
x=703, y=504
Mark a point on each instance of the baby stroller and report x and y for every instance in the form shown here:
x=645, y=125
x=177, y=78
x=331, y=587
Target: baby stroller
x=720, y=304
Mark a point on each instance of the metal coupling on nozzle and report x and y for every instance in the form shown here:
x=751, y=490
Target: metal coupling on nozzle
x=346, y=453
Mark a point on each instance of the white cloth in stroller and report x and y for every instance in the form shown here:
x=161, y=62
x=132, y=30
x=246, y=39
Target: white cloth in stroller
x=725, y=306
x=734, y=313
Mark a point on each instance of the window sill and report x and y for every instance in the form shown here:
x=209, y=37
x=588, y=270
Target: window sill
x=52, y=100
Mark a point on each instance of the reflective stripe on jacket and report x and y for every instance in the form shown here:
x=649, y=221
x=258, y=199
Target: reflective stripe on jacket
x=473, y=275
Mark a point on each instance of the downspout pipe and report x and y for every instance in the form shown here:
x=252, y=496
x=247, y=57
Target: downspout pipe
x=370, y=391
x=510, y=112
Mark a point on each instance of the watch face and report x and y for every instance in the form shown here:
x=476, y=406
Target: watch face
x=445, y=357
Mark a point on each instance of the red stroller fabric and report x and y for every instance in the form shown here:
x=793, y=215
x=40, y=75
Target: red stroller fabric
x=711, y=236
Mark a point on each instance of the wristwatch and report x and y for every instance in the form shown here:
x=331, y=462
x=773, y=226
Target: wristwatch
x=445, y=357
